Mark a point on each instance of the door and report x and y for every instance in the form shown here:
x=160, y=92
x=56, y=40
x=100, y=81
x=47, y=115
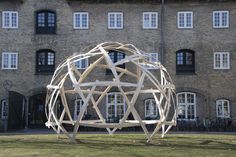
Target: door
x=16, y=115
x=36, y=115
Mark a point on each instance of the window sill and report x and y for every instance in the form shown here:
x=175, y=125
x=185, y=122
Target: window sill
x=185, y=73
x=44, y=73
x=45, y=33
x=221, y=27
x=187, y=120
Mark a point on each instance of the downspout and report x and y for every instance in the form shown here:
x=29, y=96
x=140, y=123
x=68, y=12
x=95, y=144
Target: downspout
x=162, y=42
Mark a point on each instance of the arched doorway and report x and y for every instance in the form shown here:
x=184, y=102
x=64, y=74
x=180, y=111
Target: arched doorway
x=16, y=113
x=36, y=111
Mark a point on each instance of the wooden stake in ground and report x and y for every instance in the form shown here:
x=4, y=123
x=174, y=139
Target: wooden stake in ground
x=140, y=78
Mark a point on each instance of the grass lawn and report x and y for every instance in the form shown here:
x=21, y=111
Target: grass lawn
x=120, y=145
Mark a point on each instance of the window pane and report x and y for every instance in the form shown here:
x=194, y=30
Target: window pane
x=111, y=111
x=41, y=19
x=225, y=60
x=146, y=21
x=217, y=61
x=189, y=58
x=219, y=110
x=6, y=61
x=226, y=109
x=118, y=20
x=181, y=19
x=120, y=56
x=41, y=58
x=217, y=19
x=13, y=60
x=6, y=19
x=111, y=98
x=181, y=98
x=112, y=20
x=50, y=58
x=154, y=57
x=190, y=98
x=190, y=112
x=153, y=20
x=112, y=56
x=150, y=107
x=181, y=111
x=77, y=20
x=120, y=111
x=188, y=20
x=51, y=20
x=4, y=109
x=14, y=20
x=180, y=57
x=84, y=20
x=224, y=18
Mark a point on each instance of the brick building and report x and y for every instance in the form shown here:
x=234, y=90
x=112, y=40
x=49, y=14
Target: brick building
x=193, y=39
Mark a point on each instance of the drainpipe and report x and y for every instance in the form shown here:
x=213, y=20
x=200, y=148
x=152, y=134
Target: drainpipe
x=162, y=42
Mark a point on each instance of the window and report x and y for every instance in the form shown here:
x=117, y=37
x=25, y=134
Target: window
x=4, y=113
x=220, y=19
x=45, y=22
x=9, y=60
x=185, y=63
x=221, y=60
x=81, y=20
x=78, y=105
x=150, y=20
x=222, y=108
x=115, y=57
x=186, y=105
x=152, y=58
x=115, y=107
x=151, y=108
x=82, y=64
x=185, y=19
x=45, y=61
x=115, y=20
x=9, y=19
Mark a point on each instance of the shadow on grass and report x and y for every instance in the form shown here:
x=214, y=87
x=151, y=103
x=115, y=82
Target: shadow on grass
x=119, y=142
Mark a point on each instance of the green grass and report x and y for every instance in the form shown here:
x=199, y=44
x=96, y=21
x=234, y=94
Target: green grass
x=120, y=145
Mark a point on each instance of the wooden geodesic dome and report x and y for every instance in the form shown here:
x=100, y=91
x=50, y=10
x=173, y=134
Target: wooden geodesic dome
x=132, y=81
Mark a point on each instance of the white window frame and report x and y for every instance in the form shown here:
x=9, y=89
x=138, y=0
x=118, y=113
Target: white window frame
x=150, y=59
x=185, y=19
x=116, y=104
x=76, y=103
x=115, y=20
x=221, y=12
x=186, y=104
x=221, y=60
x=4, y=103
x=78, y=64
x=223, y=113
x=150, y=20
x=80, y=16
x=150, y=116
x=10, y=19
x=9, y=60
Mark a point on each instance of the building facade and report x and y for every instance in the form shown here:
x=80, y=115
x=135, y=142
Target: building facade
x=193, y=39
